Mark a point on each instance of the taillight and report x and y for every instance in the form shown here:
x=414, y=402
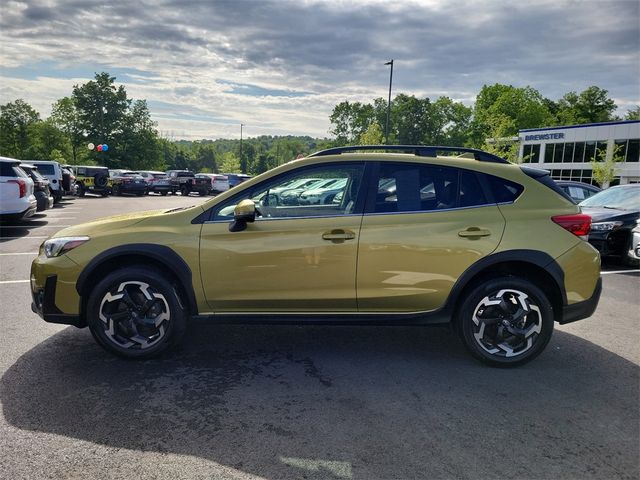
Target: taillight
x=579, y=224
x=22, y=186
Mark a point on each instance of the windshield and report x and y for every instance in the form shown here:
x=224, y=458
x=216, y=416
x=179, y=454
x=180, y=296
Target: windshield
x=624, y=198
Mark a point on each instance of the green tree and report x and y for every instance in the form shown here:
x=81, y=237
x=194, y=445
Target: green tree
x=373, y=135
x=603, y=169
x=410, y=120
x=102, y=111
x=590, y=106
x=350, y=120
x=65, y=116
x=136, y=145
x=46, y=141
x=500, y=140
x=633, y=113
x=15, y=119
x=524, y=106
x=230, y=163
x=450, y=122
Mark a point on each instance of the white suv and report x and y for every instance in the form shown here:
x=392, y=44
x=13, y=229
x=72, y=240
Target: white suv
x=16, y=191
x=53, y=172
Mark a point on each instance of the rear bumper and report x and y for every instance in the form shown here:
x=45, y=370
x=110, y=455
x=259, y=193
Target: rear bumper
x=581, y=310
x=43, y=302
x=19, y=215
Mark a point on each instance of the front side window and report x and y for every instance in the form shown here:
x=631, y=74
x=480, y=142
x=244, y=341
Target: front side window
x=423, y=188
x=325, y=190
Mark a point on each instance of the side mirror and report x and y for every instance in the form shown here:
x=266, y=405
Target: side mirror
x=245, y=212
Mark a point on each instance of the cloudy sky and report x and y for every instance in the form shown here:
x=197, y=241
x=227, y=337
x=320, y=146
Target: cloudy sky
x=279, y=67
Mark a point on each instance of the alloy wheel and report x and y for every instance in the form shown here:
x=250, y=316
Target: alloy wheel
x=134, y=315
x=507, y=323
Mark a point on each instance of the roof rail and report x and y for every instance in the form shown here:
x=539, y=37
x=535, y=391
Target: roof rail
x=418, y=150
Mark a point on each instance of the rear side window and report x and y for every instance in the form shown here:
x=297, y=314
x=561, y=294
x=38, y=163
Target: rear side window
x=422, y=188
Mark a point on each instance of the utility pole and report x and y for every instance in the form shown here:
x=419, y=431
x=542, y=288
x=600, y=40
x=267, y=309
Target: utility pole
x=386, y=134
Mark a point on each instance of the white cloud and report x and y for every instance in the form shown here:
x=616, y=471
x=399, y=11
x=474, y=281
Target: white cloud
x=187, y=56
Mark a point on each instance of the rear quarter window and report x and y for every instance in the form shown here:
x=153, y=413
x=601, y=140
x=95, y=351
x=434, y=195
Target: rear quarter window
x=8, y=169
x=504, y=191
x=46, y=168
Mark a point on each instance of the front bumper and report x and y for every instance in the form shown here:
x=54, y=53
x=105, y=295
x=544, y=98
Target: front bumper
x=44, y=304
x=610, y=243
x=581, y=310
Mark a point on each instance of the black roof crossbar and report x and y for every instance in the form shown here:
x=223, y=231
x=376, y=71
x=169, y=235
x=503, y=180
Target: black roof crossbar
x=418, y=150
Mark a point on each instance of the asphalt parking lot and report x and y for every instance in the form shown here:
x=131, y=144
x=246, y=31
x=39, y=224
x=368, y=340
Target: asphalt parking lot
x=309, y=402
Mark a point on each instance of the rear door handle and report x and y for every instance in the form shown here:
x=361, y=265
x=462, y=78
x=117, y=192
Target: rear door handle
x=338, y=235
x=474, y=232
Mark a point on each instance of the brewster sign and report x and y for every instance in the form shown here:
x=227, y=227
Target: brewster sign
x=544, y=136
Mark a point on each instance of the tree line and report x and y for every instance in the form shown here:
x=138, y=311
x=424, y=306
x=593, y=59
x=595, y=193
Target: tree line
x=100, y=112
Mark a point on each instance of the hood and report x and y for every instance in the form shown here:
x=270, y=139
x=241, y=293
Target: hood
x=111, y=223
x=600, y=214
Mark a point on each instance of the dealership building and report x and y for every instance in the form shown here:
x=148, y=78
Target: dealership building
x=568, y=151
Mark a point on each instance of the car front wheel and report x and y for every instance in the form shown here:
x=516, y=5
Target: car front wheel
x=505, y=321
x=136, y=312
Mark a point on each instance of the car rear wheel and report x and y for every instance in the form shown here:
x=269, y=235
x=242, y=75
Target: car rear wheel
x=505, y=321
x=136, y=313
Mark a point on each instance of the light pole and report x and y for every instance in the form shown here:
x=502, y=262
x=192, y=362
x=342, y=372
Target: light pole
x=386, y=134
x=241, y=164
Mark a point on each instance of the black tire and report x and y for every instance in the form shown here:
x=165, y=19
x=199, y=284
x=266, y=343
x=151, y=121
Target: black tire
x=163, y=193
x=202, y=194
x=116, y=191
x=184, y=191
x=517, y=326
x=81, y=190
x=114, y=312
x=100, y=180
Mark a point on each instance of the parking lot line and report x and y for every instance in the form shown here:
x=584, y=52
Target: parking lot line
x=2, y=282
x=620, y=271
x=18, y=253
x=34, y=226
x=25, y=237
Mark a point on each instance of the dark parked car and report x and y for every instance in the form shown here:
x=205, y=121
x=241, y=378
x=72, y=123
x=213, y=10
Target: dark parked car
x=185, y=182
x=157, y=181
x=236, y=178
x=68, y=179
x=124, y=182
x=578, y=191
x=41, y=189
x=615, y=213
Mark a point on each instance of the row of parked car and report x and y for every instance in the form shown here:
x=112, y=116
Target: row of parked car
x=32, y=186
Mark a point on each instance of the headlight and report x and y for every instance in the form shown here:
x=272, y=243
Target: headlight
x=54, y=247
x=605, y=226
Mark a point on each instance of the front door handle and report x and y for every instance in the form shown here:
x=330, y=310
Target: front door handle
x=338, y=235
x=472, y=232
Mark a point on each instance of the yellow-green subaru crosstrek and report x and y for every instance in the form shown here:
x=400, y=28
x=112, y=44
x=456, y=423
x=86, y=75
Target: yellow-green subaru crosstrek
x=406, y=237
